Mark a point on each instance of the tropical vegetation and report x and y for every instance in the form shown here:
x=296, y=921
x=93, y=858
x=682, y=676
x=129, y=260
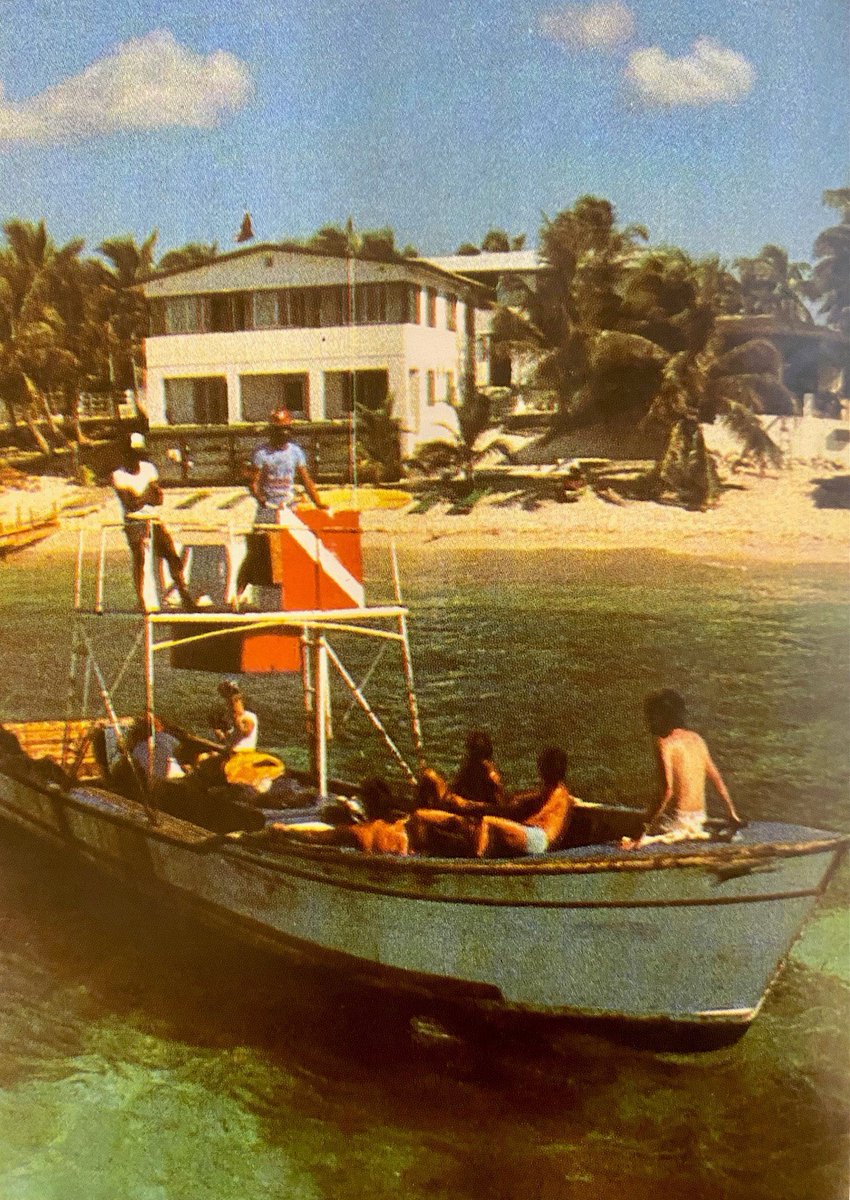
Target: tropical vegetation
x=619, y=332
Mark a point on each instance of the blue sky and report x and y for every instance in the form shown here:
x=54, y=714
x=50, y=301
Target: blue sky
x=717, y=124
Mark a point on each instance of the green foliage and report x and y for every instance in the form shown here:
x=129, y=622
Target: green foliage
x=378, y=441
x=829, y=283
x=771, y=285
x=376, y=244
x=627, y=337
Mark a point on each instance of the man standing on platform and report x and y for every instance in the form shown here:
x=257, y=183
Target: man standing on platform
x=275, y=466
x=136, y=482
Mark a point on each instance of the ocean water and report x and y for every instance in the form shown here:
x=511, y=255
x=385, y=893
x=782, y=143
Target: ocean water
x=141, y=1057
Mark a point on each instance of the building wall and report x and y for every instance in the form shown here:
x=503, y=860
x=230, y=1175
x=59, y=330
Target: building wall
x=422, y=337
x=255, y=361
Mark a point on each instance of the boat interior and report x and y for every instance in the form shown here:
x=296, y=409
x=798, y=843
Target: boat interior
x=81, y=755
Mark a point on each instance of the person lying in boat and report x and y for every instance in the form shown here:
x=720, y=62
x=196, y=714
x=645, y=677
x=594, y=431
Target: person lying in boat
x=446, y=814
x=381, y=829
x=241, y=727
x=546, y=813
x=684, y=766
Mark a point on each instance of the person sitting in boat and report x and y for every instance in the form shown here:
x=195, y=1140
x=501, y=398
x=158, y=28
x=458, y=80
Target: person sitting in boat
x=136, y=483
x=684, y=765
x=546, y=814
x=378, y=826
x=167, y=751
x=446, y=813
x=241, y=727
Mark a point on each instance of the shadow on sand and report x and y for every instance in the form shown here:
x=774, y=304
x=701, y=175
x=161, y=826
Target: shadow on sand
x=832, y=493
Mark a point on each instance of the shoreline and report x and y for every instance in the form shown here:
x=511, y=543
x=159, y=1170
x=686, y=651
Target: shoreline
x=759, y=520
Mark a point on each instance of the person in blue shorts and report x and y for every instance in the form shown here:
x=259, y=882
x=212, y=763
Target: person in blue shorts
x=276, y=465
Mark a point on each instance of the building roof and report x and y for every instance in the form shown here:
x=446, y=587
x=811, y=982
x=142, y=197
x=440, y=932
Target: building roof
x=192, y=276
x=488, y=263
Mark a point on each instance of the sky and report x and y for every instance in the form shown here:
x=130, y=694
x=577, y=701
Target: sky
x=715, y=123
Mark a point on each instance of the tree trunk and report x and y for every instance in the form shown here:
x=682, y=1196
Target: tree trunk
x=72, y=411
x=38, y=437
x=687, y=468
x=51, y=418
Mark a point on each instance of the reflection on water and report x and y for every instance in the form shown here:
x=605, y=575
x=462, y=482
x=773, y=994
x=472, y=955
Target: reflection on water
x=141, y=1057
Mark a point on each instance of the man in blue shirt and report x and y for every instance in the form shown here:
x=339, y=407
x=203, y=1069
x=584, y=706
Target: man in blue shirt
x=275, y=467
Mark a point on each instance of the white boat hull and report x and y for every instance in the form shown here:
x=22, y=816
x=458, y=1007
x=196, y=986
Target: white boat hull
x=691, y=935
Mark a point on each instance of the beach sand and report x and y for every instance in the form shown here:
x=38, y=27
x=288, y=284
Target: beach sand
x=771, y=519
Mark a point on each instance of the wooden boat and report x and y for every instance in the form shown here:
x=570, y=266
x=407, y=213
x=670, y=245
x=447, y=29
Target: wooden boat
x=688, y=935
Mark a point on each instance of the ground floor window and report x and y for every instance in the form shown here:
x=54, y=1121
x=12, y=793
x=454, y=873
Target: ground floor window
x=344, y=389
x=264, y=394
x=196, y=401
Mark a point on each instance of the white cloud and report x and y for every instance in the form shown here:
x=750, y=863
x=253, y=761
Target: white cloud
x=710, y=74
x=599, y=26
x=145, y=83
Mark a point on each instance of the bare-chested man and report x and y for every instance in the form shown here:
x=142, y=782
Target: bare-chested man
x=547, y=811
x=684, y=765
x=448, y=812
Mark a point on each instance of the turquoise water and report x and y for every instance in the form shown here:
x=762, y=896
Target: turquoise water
x=141, y=1058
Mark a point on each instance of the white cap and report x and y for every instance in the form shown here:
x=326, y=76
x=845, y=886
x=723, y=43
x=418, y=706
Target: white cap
x=137, y=441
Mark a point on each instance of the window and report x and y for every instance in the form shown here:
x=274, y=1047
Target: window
x=431, y=388
x=370, y=304
x=451, y=312
x=210, y=401
x=265, y=310
x=198, y=401
x=451, y=394
x=414, y=315
x=431, y=300
x=183, y=314
x=229, y=311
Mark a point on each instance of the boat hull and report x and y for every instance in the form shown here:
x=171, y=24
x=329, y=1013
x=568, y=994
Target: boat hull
x=686, y=935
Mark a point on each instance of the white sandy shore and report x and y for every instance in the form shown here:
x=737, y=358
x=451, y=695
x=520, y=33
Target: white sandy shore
x=768, y=519
x=762, y=519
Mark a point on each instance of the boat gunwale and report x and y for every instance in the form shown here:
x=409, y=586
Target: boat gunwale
x=724, y=854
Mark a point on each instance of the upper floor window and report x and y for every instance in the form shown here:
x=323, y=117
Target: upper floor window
x=370, y=304
x=451, y=312
x=183, y=314
x=266, y=315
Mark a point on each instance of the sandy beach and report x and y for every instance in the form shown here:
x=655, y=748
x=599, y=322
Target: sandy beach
x=772, y=519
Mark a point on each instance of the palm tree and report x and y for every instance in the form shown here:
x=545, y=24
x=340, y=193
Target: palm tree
x=830, y=277
x=772, y=285
x=585, y=256
x=627, y=339
x=37, y=354
x=126, y=311
x=458, y=456
x=193, y=254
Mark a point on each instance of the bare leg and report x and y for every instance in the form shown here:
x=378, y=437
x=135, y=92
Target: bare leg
x=426, y=821
x=495, y=833
x=164, y=547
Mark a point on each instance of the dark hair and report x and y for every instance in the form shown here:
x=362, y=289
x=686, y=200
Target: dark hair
x=378, y=800
x=479, y=745
x=664, y=712
x=552, y=764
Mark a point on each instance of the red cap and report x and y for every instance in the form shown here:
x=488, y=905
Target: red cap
x=281, y=417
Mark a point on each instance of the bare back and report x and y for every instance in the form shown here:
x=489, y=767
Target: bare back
x=685, y=763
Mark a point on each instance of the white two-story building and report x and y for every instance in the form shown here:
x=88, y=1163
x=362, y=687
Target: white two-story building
x=274, y=326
